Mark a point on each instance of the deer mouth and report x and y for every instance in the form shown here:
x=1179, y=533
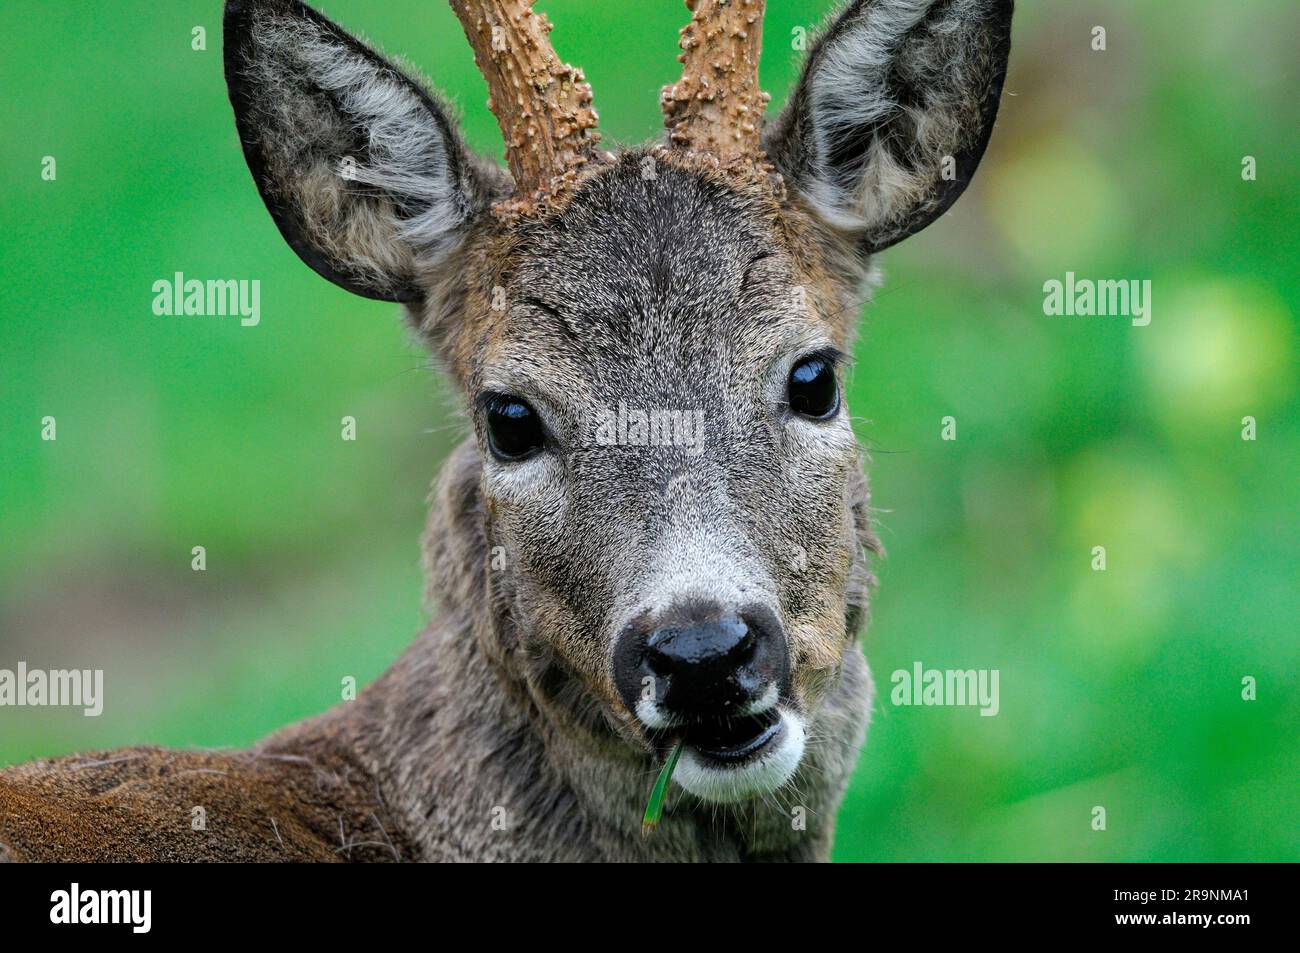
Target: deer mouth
x=734, y=740
x=725, y=761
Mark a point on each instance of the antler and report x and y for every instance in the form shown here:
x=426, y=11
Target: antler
x=717, y=106
x=542, y=104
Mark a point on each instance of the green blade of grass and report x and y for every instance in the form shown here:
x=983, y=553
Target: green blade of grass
x=654, y=810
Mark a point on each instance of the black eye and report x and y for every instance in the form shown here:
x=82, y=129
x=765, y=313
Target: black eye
x=514, y=430
x=813, y=390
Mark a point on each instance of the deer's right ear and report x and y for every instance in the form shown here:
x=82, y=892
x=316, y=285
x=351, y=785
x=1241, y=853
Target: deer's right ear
x=358, y=164
x=892, y=113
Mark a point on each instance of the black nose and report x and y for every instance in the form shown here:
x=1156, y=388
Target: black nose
x=706, y=652
x=701, y=662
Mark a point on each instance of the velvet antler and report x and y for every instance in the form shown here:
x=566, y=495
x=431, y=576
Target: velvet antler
x=542, y=104
x=717, y=106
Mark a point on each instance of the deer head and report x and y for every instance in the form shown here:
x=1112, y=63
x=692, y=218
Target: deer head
x=648, y=343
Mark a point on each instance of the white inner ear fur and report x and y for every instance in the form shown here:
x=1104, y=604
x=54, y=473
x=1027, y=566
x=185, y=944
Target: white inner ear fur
x=407, y=155
x=850, y=90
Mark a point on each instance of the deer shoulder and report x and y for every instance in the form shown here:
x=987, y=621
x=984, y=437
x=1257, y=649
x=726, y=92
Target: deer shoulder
x=151, y=804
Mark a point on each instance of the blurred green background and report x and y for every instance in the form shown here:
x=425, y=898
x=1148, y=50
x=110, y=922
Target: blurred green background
x=1119, y=688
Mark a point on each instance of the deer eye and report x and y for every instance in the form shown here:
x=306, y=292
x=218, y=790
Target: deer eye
x=813, y=390
x=513, y=428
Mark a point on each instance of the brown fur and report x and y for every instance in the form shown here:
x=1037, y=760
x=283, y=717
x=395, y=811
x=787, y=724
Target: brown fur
x=141, y=804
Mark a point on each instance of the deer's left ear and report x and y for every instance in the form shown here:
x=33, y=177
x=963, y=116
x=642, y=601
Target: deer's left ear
x=361, y=168
x=893, y=111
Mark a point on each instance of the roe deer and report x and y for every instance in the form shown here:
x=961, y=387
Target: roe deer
x=659, y=533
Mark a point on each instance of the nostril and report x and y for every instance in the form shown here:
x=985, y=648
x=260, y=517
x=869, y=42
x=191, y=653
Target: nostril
x=659, y=662
x=745, y=647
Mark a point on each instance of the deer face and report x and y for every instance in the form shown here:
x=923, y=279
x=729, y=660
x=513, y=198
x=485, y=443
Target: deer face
x=651, y=356
x=668, y=466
